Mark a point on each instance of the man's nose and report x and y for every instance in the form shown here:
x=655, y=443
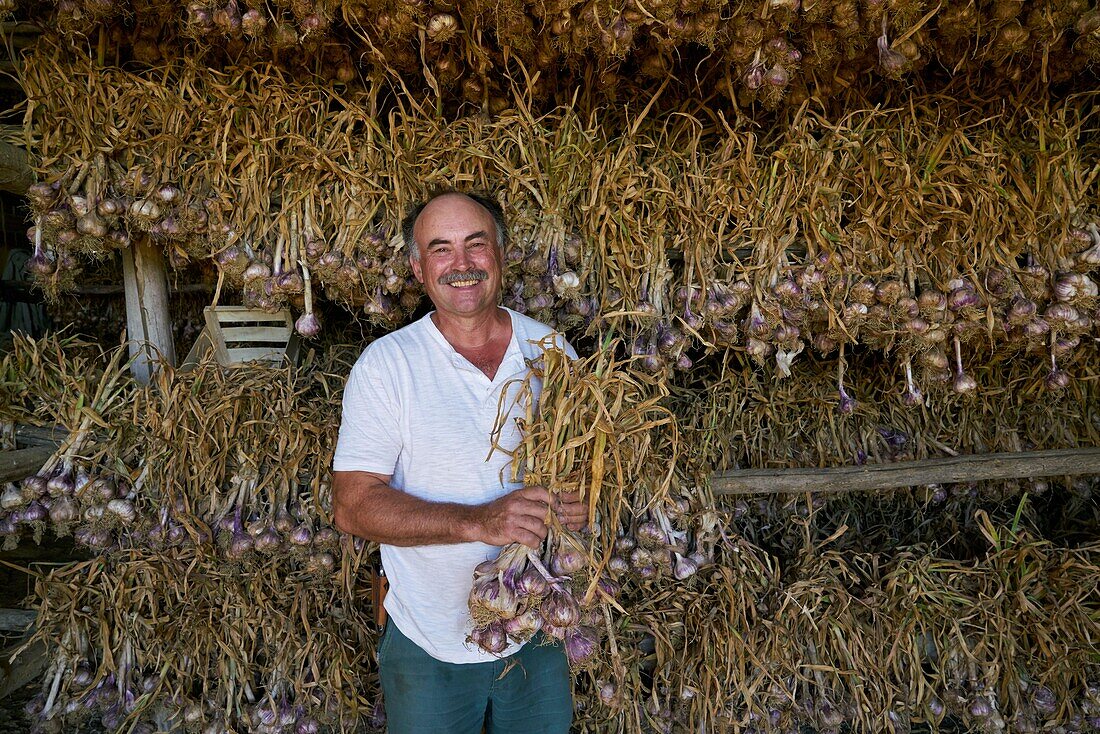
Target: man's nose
x=462, y=260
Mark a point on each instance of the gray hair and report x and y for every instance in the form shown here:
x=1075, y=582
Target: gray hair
x=485, y=202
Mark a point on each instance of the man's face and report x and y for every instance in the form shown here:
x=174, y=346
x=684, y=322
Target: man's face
x=460, y=263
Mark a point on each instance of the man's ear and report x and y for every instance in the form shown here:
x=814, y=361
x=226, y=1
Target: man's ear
x=418, y=273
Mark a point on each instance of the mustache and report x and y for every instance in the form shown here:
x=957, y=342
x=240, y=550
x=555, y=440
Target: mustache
x=449, y=278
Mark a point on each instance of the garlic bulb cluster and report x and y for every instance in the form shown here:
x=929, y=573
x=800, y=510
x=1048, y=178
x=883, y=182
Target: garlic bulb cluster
x=106, y=513
x=779, y=54
x=74, y=499
x=96, y=208
x=370, y=274
x=518, y=594
x=825, y=305
x=546, y=281
x=665, y=541
x=374, y=276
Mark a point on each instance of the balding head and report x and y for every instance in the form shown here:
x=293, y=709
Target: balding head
x=408, y=224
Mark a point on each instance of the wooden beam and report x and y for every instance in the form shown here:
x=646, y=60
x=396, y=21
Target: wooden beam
x=24, y=292
x=26, y=435
x=148, y=324
x=19, y=671
x=17, y=620
x=16, y=174
x=114, y=290
x=16, y=27
x=969, y=468
x=21, y=463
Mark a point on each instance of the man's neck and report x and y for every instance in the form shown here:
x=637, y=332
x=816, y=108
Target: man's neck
x=471, y=332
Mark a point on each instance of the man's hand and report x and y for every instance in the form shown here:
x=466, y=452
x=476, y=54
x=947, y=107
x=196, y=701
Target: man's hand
x=571, y=512
x=517, y=517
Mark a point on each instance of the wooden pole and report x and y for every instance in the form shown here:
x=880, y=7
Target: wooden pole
x=21, y=463
x=27, y=435
x=148, y=325
x=17, y=620
x=970, y=468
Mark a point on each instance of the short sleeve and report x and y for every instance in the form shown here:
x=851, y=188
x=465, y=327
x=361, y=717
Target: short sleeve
x=370, y=435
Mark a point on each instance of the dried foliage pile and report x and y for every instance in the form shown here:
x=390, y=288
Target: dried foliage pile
x=220, y=599
x=871, y=641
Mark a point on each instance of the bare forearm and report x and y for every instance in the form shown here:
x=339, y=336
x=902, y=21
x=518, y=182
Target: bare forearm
x=368, y=507
x=365, y=504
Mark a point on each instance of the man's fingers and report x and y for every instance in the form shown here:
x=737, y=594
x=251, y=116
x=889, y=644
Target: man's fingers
x=536, y=493
x=571, y=509
x=529, y=508
x=533, y=525
x=528, y=539
x=574, y=515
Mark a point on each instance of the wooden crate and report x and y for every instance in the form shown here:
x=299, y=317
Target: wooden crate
x=239, y=335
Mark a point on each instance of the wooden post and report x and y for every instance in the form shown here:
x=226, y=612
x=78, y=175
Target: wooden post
x=870, y=477
x=148, y=326
x=16, y=174
x=21, y=463
x=16, y=620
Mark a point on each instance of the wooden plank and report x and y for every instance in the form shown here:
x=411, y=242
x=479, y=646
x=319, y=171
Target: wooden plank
x=39, y=435
x=198, y=351
x=232, y=314
x=148, y=324
x=249, y=354
x=276, y=334
x=16, y=620
x=21, y=463
x=214, y=333
x=18, y=672
x=969, y=468
x=292, y=348
x=116, y=290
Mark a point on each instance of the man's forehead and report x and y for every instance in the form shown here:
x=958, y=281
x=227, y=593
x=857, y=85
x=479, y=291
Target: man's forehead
x=455, y=201
x=477, y=215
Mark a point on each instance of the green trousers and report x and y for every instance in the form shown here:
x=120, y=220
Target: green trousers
x=425, y=696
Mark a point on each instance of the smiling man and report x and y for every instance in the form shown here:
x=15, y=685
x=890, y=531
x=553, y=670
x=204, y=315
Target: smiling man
x=414, y=470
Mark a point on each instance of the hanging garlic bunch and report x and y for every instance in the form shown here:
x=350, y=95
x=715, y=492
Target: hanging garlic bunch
x=847, y=403
x=70, y=499
x=962, y=383
x=892, y=62
x=721, y=307
x=518, y=594
x=656, y=546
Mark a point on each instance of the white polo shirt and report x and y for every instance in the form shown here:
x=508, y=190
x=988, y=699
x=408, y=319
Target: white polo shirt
x=416, y=409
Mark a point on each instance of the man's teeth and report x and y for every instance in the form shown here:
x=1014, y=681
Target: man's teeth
x=463, y=283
